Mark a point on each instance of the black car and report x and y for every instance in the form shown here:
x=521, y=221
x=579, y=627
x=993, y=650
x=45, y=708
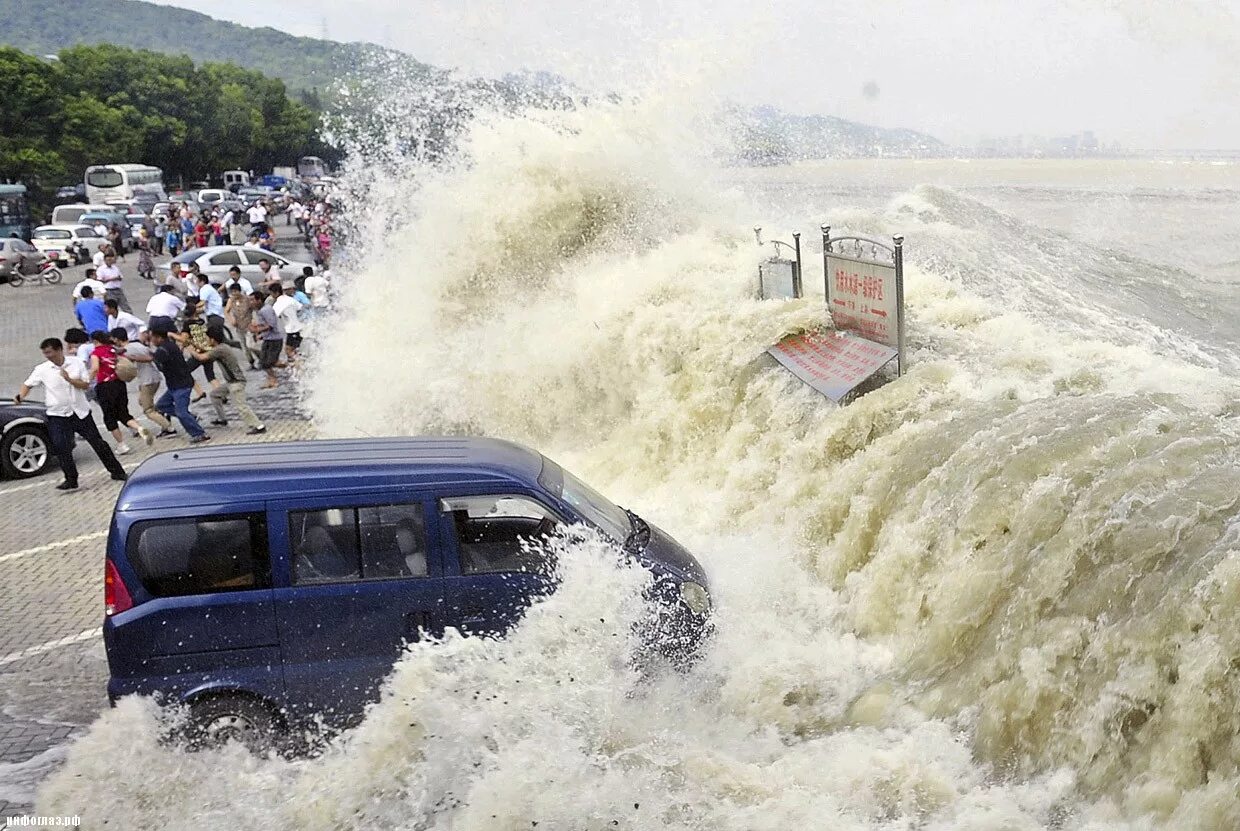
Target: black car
x=25, y=449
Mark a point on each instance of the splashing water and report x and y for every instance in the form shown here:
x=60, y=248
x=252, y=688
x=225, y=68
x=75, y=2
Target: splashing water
x=1000, y=593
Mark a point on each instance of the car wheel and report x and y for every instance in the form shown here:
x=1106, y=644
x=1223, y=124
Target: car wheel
x=218, y=720
x=25, y=451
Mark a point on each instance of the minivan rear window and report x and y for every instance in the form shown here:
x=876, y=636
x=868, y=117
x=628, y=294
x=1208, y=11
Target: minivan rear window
x=178, y=557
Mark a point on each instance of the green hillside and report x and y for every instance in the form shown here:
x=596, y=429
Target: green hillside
x=44, y=27
x=106, y=103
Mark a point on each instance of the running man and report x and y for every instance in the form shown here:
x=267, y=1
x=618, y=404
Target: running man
x=64, y=381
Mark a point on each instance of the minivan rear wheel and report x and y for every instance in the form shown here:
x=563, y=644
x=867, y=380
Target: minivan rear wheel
x=216, y=721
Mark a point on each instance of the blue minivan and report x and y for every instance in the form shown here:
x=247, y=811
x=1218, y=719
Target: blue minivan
x=269, y=586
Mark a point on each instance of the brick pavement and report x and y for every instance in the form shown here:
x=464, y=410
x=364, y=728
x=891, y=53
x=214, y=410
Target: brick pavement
x=52, y=665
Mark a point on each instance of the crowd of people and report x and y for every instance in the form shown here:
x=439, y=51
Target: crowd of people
x=191, y=324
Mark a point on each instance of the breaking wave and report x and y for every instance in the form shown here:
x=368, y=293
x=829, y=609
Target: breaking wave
x=1000, y=592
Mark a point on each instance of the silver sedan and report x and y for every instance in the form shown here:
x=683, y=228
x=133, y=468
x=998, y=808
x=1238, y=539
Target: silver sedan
x=215, y=261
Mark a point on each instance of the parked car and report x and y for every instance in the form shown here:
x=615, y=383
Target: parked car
x=54, y=241
x=188, y=199
x=133, y=206
x=18, y=257
x=208, y=198
x=136, y=223
x=215, y=260
x=25, y=449
x=72, y=214
x=275, y=587
x=70, y=193
x=112, y=220
x=254, y=193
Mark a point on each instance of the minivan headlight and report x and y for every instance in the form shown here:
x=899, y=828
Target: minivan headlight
x=695, y=596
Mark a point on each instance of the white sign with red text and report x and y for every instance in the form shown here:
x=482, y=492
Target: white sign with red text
x=832, y=362
x=862, y=298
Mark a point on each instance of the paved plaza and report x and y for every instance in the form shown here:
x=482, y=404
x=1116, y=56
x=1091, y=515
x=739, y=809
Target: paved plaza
x=52, y=666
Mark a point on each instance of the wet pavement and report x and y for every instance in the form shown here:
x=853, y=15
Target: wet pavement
x=52, y=666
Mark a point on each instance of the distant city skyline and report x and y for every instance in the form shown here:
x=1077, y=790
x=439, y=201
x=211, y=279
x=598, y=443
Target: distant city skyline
x=1145, y=73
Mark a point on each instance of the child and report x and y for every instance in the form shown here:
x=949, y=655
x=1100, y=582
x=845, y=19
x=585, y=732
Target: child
x=173, y=239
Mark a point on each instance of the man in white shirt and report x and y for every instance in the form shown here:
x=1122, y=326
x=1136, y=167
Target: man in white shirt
x=316, y=287
x=147, y=380
x=297, y=213
x=95, y=286
x=64, y=381
x=164, y=307
x=112, y=279
x=235, y=278
x=212, y=302
x=79, y=345
x=286, y=308
x=258, y=216
x=190, y=281
x=118, y=318
x=175, y=278
x=268, y=273
x=97, y=258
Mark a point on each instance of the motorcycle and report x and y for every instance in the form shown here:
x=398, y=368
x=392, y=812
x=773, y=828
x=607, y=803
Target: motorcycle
x=76, y=253
x=47, y=273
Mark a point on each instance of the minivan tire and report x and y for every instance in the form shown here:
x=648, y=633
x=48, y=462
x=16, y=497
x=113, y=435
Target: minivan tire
x=217, y=720
x=25, y=451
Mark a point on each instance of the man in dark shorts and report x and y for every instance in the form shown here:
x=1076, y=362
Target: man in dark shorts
x=266, y=326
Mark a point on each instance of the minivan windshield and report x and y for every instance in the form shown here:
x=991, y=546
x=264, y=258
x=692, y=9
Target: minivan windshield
x=597, y=509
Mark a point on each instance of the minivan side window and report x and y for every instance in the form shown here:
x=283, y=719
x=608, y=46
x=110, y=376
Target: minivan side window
x=178, y=557
x=338, y=545
x=500, y=533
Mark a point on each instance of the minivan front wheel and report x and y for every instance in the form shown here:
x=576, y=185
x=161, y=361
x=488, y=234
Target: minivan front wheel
x=216, y=721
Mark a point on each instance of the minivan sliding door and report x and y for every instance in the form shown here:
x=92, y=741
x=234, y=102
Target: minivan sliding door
x=355, y=582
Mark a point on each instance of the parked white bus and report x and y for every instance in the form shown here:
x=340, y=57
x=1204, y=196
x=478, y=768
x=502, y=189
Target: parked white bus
x=123, y=181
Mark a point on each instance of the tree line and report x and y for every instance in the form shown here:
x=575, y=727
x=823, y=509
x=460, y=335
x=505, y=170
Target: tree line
x=105, y=103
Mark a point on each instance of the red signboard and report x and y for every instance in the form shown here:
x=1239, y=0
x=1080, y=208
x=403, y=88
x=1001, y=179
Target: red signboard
x=832, y=362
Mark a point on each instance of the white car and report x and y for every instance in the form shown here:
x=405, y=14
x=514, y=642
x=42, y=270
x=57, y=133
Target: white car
x=49, y=238
x=215, y=260
x=208, y=198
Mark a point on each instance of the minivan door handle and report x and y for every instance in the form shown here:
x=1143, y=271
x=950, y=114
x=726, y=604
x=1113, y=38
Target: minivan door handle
x=416, y=622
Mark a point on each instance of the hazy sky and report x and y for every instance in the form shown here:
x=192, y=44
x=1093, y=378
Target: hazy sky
x=1148, y=73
